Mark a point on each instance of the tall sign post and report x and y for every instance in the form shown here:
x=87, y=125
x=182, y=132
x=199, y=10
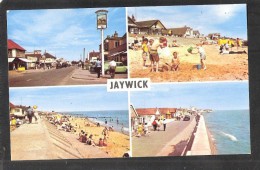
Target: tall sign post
x=102, y=24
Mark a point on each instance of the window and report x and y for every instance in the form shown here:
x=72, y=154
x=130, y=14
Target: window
x=116, y=43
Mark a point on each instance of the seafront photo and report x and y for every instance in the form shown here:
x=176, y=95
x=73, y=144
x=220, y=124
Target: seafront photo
x=187, y=119
x=74, y=122
x=188, y=43
x=76, y=46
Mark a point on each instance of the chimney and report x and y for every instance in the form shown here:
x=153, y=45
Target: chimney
x=115, y=34
x=133, y=18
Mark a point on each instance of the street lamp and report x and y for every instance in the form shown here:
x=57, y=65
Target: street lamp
x=102, y=24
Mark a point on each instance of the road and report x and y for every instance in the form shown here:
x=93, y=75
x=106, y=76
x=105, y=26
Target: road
x=54, y=77
x=157, y=141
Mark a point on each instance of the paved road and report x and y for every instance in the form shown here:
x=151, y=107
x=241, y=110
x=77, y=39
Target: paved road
x=153, y=144
x=54, y=77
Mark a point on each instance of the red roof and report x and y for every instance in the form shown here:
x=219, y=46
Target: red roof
x=12, y=45
x=152, y=111
x=11, y=105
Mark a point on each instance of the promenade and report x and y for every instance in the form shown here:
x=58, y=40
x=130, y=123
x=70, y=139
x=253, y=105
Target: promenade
x=42, y=141
x=164, y=143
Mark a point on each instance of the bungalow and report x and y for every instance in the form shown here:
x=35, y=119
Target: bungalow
x=47, y=60
x=168, y=113
x=133, y=28
x=134, y=118
x=150, y=27
x=181, y=32
x=17, y=111
x=214, y=36
x=196, y=33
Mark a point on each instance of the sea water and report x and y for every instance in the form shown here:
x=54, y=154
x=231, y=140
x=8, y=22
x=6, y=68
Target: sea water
x=119, y=119
x=230, y=130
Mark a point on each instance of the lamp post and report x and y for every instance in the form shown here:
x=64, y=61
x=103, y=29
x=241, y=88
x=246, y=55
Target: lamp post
x=102, y=24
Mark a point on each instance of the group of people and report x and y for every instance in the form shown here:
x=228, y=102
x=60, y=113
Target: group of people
x=112, y=68
x=84, y=138
x=227, y=49
x=153, y=49
x=143, y=129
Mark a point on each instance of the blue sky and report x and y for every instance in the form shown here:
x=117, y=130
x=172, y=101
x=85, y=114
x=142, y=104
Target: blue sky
x=217, y=96
x=71, y=98
x=62, y=32
x=229, y=20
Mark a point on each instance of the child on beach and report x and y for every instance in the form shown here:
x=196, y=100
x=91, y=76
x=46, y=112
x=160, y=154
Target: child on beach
x=175, y=62
x=202, y=53
x=145, y=50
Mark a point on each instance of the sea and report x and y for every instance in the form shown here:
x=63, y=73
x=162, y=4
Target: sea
x=230, y=130
x=119, y=119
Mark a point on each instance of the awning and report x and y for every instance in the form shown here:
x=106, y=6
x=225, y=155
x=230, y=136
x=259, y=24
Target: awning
x=25, y=60
x=122, y=52
x=10, y=60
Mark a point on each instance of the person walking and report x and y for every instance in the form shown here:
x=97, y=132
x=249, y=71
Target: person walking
x=30, y=114
x=98, y=67
x=112, y=67
x=154, y=125
x=164, y=124
x=202, y=53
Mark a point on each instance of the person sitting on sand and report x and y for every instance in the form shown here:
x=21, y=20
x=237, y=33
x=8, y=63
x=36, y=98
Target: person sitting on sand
x=101, y=143
x=98, y=124
x=90, y=140
x=175, y=62
x=174, y=43
x=84, y=138
x=234, y=52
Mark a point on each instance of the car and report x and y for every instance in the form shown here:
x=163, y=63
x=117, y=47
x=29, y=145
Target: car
x=120, y=68
x=186, y=118
x=92, y=67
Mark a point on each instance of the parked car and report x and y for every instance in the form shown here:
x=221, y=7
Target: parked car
x=58, y=65
x=186, y=118
x=120, y=68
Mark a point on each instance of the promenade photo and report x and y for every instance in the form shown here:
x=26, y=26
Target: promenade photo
x=68, y=123
x=188, y=43
x=68, y=44
x=187, y=119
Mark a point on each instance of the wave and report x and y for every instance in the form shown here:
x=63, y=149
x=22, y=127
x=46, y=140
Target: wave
x=231, y=137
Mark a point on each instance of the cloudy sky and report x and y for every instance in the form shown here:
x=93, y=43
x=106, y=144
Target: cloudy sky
x=62, y=32
x=217, y=96
x=229, y=20
x=71, y=98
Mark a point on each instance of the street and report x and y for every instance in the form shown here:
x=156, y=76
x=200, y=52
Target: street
x=53, y=77
x=163, y=143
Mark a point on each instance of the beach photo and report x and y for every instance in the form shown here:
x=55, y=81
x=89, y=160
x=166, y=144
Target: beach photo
x=188, y=43
x=68, y=123
x=76, y=46
x=188, y=119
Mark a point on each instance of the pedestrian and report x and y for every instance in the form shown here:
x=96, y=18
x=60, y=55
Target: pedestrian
x=164, y=124
x=175, y=62
x=154, y=125
x=146, y=129
x=112, y=68
x=139, y=130
x=145, y=50
x=30, y=114
x=202, y=53
x=154, y=56
x=98, y=67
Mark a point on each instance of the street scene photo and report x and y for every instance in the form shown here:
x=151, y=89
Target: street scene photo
x=66, y=46
x=188, y=43
x=186, y=119
x=68, y=123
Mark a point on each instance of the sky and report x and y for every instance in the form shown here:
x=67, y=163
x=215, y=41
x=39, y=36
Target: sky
x=71, y=98
x=62, y=32
x=229, y=20
x=216, y=96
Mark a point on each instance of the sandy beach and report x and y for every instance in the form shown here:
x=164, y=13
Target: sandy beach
x=46, y=140
x=118, y=143
x=219, y=67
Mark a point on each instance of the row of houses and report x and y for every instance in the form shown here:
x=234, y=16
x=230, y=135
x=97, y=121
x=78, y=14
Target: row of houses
x=114, y=47
x=156, y=27
x=19, y=58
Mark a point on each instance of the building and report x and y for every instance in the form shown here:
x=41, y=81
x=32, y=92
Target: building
x=17, y=111
x=181, y=32
x=115, y=47
x=34, y=57
x=196, y=34
x=93, y=55
x=214, y=36
x=16, y=56
x=47, y=60
x=133, y=28
x=134, y=118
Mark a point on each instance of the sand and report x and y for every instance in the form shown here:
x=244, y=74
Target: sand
x=118, y=143
x=219, y=67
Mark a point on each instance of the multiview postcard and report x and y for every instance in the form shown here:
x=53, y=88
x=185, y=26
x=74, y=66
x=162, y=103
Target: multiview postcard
x=128, y=82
